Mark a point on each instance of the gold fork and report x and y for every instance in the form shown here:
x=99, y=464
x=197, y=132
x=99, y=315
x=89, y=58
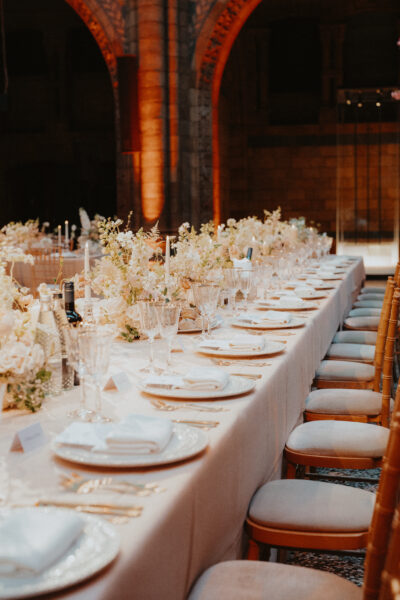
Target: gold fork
x=162, y=405
x=200, y=424
x=81, y=485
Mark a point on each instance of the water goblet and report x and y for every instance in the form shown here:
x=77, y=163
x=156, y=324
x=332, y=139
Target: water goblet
x=231, y=284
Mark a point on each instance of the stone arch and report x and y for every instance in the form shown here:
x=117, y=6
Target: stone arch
x=213, y=46
x=106, y=29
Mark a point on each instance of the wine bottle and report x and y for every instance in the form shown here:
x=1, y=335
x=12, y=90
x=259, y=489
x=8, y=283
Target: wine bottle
x=249, y=253
x=62, y=322
x=69, y=300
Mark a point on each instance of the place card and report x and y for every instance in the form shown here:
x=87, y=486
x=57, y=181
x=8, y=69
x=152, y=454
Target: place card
x=28, y=439
x=119, y=381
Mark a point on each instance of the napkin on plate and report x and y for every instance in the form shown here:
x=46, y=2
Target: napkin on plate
x=197, y=378
x=246, y=343
x=305, y=292
x=269, y=315
x=136, y=434
x=32, y=539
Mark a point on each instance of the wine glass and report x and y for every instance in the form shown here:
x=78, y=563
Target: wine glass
x=206, y=298
x=231, y=284
x=95, y=350
x=245, y=280
x=168, y=318
x=71, y=336
x=150, y=325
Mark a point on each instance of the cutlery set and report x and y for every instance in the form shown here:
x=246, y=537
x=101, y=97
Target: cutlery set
x=81, y=485
x=167, y=406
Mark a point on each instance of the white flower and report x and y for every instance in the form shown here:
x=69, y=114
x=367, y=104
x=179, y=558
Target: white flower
x=6, y=325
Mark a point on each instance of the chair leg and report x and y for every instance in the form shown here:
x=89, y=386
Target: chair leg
x=282, y=555
x=253, y=552
x=290, y=470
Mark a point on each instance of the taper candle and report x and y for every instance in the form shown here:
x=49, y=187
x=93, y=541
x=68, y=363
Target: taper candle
x=88, y=293
x=167, y=256
x=66, y=234
x=59, y=236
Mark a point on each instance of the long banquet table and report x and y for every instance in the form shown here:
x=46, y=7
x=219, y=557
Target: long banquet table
x=198, y=520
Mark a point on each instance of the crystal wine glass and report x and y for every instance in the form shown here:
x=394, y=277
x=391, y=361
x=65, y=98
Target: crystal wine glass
x=231, y=284
x=245, y=279
x=150, y=325
x=95, y=350
x=74, y=357
x=206, y=298
x=168, y=318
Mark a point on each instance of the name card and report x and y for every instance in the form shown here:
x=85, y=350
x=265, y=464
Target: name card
x=119, y=381
x=29, y=438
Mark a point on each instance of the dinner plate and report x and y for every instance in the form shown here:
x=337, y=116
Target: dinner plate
x=285, y=305
x=95, y=548
x=185, y=442
x=330, y=277
x=269, y=349
x=236, y=386
x=294, y=322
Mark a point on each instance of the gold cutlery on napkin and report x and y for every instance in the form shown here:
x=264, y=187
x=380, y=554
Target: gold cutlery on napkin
x=82, y=485
x=238, y=361
x=167, y=406
x=96, y=508
x=200, y=424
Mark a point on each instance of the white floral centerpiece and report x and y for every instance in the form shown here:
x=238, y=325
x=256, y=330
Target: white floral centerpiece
x=20, y=235
x=125, y=274
x=23, y=372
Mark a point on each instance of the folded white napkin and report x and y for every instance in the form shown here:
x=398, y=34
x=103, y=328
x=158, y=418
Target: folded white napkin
x=242, y=263
x=32, y=539
x=197, y=378
x=305, y=292
x=136, y=434
x=277, y=317
x=246, y=343
x=314, y=282
x=288, y=302
x=139, y=434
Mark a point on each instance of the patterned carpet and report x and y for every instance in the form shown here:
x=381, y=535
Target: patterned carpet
x=347, y=566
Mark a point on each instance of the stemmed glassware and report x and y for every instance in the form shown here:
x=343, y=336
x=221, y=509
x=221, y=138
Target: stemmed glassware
x=206, y=297
x=150, y=325
x=231, y=285
x=95, y=350
x=168, y=318
x=75, y=359
x=262, y=277
x=245, y=281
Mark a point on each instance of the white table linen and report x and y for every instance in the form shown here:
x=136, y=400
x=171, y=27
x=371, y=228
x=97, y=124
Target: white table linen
x=198, y=520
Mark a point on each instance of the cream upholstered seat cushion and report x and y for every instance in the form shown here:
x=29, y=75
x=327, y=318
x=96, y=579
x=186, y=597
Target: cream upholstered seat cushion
x=371, y=297
x=355, y=337
x=373, y=290
x=339, y=438
x=362, y=322
x=302, y=505
x=338, y=401
x=356, y=352
x=368, y=304
x=344, y=370
x=365, y=312
x=254, y=580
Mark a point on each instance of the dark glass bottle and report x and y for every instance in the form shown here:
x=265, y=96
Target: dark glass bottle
x=249, y=253
x=69, y=300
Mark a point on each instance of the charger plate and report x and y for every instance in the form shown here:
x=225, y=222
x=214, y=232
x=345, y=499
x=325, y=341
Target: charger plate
x=185, y=442
x=292, y=324
x=236, y=386
x=96, y=547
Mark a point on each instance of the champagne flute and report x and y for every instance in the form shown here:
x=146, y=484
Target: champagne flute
x=150, y=325
x=168, y=317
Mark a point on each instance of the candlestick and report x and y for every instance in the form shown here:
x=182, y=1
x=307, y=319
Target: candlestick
x=167, y=256
x=66, y=234
x=59, y=236
x=88, y=292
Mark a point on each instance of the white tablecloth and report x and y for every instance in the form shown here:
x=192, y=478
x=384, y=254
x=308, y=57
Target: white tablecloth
x=198, y=520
